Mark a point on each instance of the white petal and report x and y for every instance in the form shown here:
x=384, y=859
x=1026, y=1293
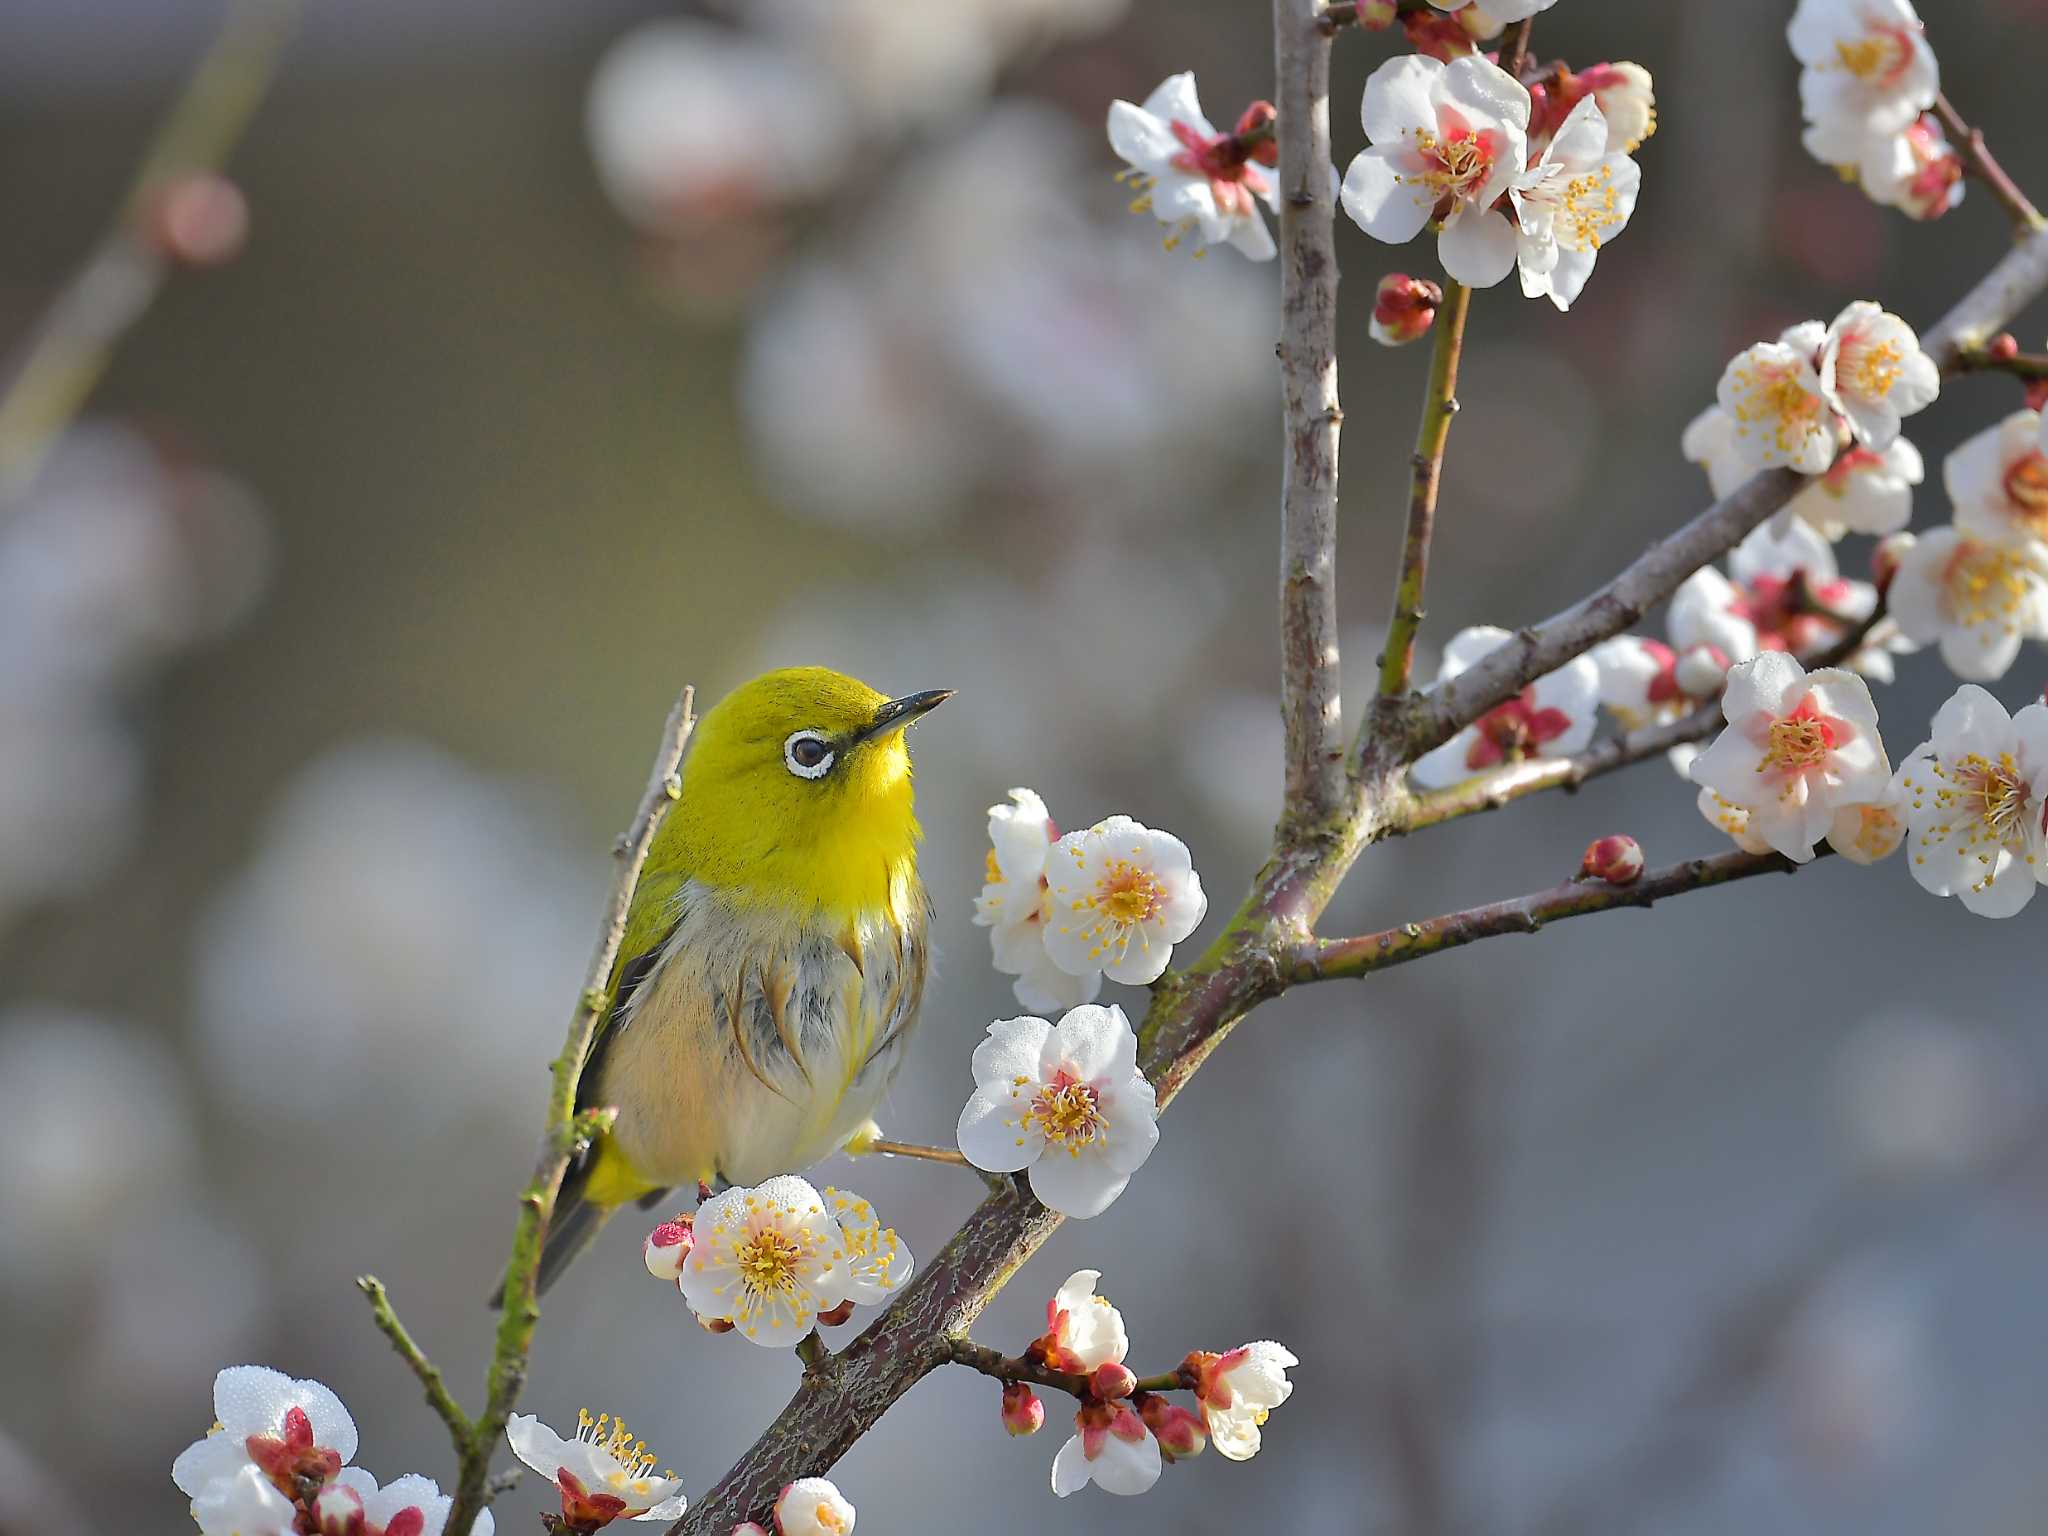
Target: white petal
x=1478, y=249
x=1380, y=202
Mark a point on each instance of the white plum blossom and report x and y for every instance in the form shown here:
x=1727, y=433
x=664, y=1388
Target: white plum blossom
x=1194, y=179
x=1238, y=1389
x=1066, y=1101
x=1082, y=1330
x=1917, y=172
x=1866, y=62
x=1730, y=818
x=1779, y=570
x=1998, y=480
x=1111, y=1448
x=1709, y=441
x=1973, y=796
x=1978, y=598
x=242, y=1503
x=1864, y=491
x=294, y=1432
x=1627, y=99
x=872, y=1259
x=1119, y=896
x=1870, y=833
x=1799, y=746
x=1552, y=717
x=1639, y=681
x=813, y=1506
x=409, y=1506
x=1873, y=371
x=602, y=1472
x=1571, y=202
x=766, y=1260
x=1013, y=905
x=1778, y=413
x=1451, y=135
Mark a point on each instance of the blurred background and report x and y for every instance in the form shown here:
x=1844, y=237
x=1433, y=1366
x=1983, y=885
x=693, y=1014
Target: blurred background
x=577, y=352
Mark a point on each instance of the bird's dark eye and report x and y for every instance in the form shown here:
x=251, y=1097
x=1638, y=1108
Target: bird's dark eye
x=807, y=754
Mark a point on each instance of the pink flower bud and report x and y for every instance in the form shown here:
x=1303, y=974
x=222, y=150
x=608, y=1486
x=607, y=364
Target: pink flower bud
x=1180, y=1433
x=1023, y=1411
x=2003, y=347
x=1701, y=671
x=198, y=220
x=833, y=1316
x=1437, y=35
x=1258, y=120
x=1403, y=308
x=338, y=1511
x=1377, y=15
x=1112, y=1380
x=2037, y=394
x=750, y=1528
x=1617, y=860
x=667, y=1246
x=1885, y=558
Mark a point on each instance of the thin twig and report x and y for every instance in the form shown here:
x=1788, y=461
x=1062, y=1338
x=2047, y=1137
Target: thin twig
x=115, y=284
x=1439, y=405
x=1984, y=166
x=919, y=1150
x=1008, y=1368
x=559, y=1140
x=1514, y=52
x=1310, y=706
x=2020, y=365
x=1339, y=959
x=439, y=1398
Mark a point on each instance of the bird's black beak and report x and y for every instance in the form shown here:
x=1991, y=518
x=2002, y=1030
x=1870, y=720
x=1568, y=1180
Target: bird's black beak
x=897, y=713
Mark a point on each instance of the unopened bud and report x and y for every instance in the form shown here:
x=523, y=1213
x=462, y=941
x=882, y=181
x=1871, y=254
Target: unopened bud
x=1256, y=124
x=715, y=1324
x=833, y=1316
x=1111, y=1380
x=2037, y=394
x=1701, y=671
x=338, y=1511
x=1617, y=860
x=1403, y=309
x=2003, y=347
x=1023, y=1410
x=1437, y=35
x=667, y=1246
x=750, y=1528
x=1885, y=558
x=1180, y=1433
x=199, y=220
x=1377, y=15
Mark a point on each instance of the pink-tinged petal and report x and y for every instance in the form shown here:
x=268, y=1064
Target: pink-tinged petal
x=1482, y=89
x=1399, y=98
x=1478, y=249
x=1378, y=201
x=1175, y=101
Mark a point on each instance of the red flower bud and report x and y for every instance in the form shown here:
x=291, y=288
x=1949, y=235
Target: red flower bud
x=1023, y=1411
x=1617, y=860
x=667, y=1246
x=1180, y=1433
x=1437, y=35
x=2037, y=394
x=1403, y=308
x=2003, y=348
x=1257, y=124
x=1112, y=1380
x=832, y=1317
x=1377, y=15
x=198, y=220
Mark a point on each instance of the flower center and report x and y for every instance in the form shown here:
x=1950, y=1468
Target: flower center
x=1877, y=831
x=1880, y=56
x=2026, y=486
x=1069, y=1112
x=767, y=1262
x=1509, y=732
x=609, y=1434
x=992, y=872
x=1774, y=396
x=1798, y=741
x=1985, y=584
x=1455, y=161
x=826, y=1517
x=296, y=1467
x=1847, y=466
x=1587, y=209
x=1128, y=893
x=1224, y=163
x=1992, y=793
x=1872, y=369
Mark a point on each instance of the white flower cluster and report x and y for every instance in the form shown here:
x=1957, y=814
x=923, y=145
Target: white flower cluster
x=1867, y=82
x=776, y=1260
x=277, y=1462
x=1553, y=717
x=1063, y=912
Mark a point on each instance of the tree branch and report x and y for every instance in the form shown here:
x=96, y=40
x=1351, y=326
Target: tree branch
x=1439, y=405
x=2031, y=366
x=1309, y=704
x=560, y=1138
x=116, y=283
x=439, y=1398
x=1335, y=959
x=1977, y=156
x=1008, y=1368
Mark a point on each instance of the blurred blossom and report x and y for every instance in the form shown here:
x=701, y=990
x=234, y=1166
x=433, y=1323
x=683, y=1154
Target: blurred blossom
x=98, y=1130
x=405, y=941
x=112, y=560
x=1854, y=1375
x=1925, y=1098
x=957, y=340
x=905, y=61
x=691, y=120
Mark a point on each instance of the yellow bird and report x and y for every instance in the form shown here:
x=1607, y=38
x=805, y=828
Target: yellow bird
x=774, y=955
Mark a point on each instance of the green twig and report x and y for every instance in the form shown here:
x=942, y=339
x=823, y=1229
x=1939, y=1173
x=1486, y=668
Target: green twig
x=439, y=1398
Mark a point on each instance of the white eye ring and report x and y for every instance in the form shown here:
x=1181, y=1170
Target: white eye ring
x=816, y=770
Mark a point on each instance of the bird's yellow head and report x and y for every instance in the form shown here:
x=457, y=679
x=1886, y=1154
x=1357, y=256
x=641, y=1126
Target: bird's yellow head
x=796, y=792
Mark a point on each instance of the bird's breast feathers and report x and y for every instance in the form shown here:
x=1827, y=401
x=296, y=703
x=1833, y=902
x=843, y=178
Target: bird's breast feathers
x=761, y=1040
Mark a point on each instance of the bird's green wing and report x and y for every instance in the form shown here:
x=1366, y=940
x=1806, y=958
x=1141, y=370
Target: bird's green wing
x=649, y=921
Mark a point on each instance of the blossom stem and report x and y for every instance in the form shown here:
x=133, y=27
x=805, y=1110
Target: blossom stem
x=439, y=1398
x=2021, y=365
x=122, y=275
x=1985, y=167
x=1310, y=706
x=1514, y=51
x=1335, y=959
x=815, y=1353
x=521, y=1313
x=1439, y=405
x=1008, y=1368
x=920, y=1150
